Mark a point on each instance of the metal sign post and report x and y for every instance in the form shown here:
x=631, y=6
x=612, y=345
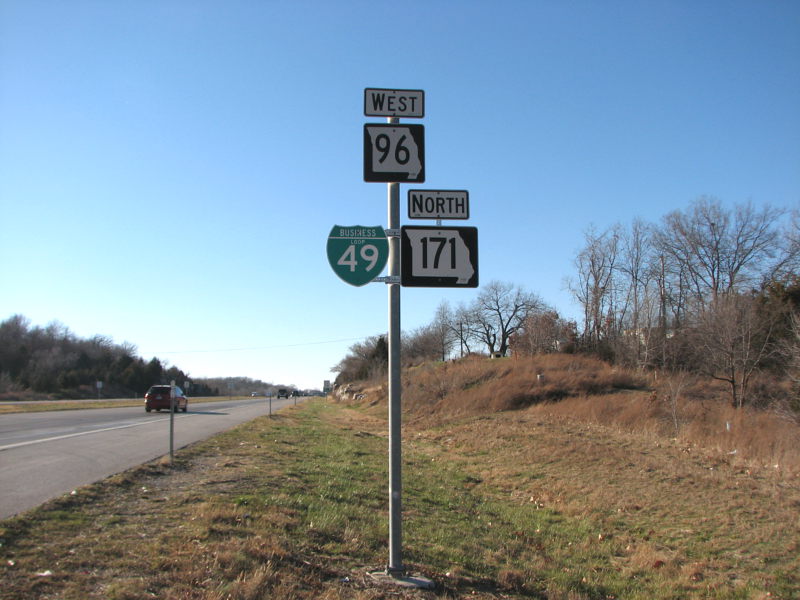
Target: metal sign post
x=171, y=421
x=395, y=566
x=393, y=154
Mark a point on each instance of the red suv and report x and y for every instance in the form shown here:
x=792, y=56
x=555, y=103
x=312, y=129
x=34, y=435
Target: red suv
x=157, y=397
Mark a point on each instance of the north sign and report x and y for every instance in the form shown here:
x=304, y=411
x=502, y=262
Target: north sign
x=357, y=254
x=394, y=153
x=438, y=256
x=380, y=102
x=438, y=204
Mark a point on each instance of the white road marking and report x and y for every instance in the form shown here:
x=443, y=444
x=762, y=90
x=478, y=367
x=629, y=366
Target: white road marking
x=71, y=435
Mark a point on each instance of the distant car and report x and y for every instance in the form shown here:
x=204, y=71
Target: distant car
x=158, y=397
x=283, y=393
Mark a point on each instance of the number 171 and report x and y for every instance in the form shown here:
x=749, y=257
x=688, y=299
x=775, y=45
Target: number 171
x=441, y=243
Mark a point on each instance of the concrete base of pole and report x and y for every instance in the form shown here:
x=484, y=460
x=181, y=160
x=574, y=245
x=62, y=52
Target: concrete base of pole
x=405, y=580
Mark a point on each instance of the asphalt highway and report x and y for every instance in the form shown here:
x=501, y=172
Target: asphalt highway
x=46, y=454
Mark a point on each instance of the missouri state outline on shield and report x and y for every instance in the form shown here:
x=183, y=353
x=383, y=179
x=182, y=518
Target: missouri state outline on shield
x=450, y=259
x=394, y=150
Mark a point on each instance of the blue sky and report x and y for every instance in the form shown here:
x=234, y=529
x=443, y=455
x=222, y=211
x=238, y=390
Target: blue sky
x=170, y=171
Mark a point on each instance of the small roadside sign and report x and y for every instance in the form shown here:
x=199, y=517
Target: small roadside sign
x=438, y=256
x=438, y=204
x=394, y=153
x=357, y=254
x=380, y=102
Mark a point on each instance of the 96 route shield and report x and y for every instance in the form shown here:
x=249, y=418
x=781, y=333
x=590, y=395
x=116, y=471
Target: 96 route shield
x=357, y=253
x=394, y=153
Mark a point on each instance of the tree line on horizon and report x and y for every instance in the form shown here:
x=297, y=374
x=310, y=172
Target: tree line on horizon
x=54, y=361
x=709, y=290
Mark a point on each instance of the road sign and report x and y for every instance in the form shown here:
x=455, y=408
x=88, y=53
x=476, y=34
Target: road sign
x=438, y=204
x=357, y=254
x=394, y=103
x=394, y=153
x=439, y=256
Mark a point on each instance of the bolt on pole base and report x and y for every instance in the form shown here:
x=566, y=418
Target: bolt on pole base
x=402, y=579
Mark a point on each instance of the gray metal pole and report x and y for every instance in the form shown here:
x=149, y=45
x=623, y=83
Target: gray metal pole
x=395, y=566
x=172, y=423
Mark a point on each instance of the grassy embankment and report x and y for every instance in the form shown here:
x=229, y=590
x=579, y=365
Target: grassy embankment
x=569, y=500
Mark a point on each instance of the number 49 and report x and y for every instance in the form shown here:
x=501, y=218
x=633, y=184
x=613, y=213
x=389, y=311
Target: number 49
x=368, y=252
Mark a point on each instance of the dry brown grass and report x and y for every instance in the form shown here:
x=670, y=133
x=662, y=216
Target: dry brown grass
x=475, y=385
x=665, y=510
x=693, y=411
x=749, y=437
x=683, y=486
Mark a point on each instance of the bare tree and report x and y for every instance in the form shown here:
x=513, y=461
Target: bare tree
x=443, y=329
x=464, y=327
x=787, y=265
x=791, y=350
x=719, y=250
x=500, y=310
x=421, y=345
x=594, y=287
x=638, y=270
x=367, y=359
x=733, y=337
x=544, y=332
x=677, y=383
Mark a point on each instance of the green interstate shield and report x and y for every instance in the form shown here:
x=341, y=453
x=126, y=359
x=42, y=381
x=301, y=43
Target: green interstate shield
x=357, y=254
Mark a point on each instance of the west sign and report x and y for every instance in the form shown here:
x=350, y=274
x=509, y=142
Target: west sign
x=394, y=103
